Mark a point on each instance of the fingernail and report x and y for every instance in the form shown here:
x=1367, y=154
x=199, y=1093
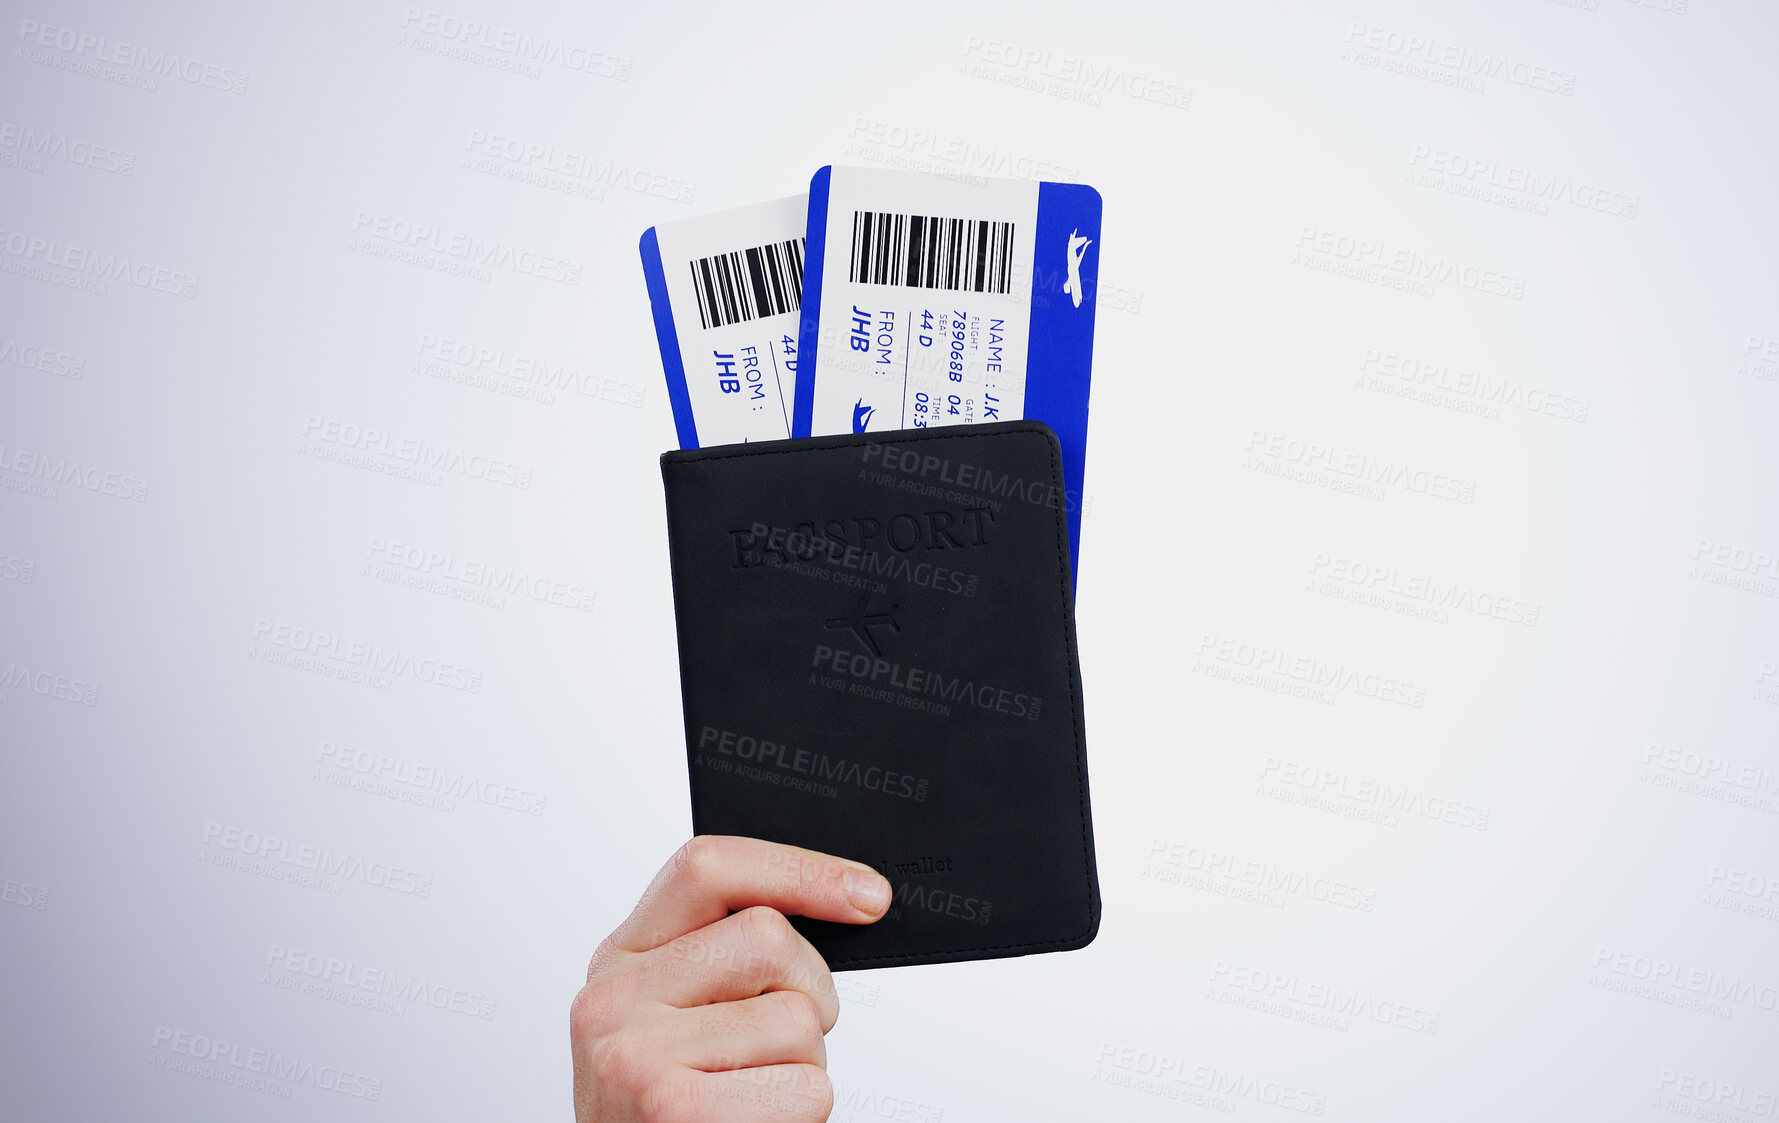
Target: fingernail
x=867, y=890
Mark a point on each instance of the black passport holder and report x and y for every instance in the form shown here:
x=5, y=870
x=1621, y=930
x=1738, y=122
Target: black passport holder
x=877, y=660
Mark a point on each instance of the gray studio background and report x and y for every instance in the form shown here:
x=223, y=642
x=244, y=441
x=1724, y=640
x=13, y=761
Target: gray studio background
x=1519, y=254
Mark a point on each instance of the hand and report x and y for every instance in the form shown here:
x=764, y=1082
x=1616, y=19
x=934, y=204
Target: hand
x=706, y=1004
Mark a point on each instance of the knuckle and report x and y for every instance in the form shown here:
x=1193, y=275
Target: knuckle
x=583, y=1021
x=667, y=1101
x=698, y=860
x=604, y=956
x=819, y=981
x=596, y=1008
x=821, y=1094
x=771, y=934
x=802, y=1021
x=620, y=1062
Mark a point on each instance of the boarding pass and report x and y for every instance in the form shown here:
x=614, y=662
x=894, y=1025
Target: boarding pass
x=931, y=301
x=725, y=290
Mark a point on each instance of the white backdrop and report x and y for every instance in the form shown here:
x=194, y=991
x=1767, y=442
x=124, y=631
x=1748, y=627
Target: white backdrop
x=1439, y=344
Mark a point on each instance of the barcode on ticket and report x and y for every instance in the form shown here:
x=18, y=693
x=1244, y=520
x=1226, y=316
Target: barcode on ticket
x=748, y=284
x=919, y=251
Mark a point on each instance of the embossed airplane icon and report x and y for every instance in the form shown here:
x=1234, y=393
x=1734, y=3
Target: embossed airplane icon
x=862, y=621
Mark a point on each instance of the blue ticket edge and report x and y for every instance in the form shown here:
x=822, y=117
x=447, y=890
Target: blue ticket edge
x=1060, y=343
x=668, y=338
x=815, y=252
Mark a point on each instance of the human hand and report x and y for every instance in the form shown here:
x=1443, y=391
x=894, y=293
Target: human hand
x=706, y=1004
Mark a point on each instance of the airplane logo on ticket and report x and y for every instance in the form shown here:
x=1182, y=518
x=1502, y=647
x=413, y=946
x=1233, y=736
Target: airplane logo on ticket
x=1077, y=247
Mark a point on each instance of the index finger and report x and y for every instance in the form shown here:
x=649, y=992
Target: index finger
x=714, y=875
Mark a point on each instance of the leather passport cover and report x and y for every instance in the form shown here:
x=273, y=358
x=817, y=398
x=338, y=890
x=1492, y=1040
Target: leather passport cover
x=877, y=660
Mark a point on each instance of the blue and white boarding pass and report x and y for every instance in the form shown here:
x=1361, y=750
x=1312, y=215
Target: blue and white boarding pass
x=933, y=302
x=725, y=289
